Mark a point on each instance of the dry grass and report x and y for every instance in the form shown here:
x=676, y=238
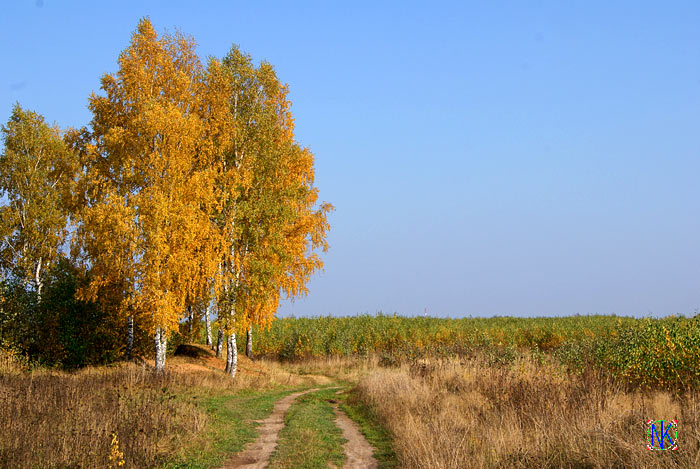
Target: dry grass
x=55, y=419
x=456, y=414
x=349, y=369
x=258, y=374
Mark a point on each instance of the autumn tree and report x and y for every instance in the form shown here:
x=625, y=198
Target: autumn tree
x=37, y=172
x=283, y=247
x=240, y=115
x=249, y=342
x=193, y=188
x=269, y=216
x=148, y=191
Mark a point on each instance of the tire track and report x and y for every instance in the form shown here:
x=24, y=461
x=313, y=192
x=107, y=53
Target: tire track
x=256, y=455
x=358, y=451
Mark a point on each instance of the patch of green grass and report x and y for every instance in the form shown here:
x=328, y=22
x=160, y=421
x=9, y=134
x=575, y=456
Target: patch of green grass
x=230, y=427
x=310, y=438
x=370, y=426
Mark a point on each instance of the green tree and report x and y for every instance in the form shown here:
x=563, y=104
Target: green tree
x=269, y=217
x=37, y=171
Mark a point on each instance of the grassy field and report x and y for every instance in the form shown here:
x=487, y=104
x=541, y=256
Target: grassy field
x=528, y=412
x=656, y=353
x=426, y=393
x=453, y=414
x=194, y=416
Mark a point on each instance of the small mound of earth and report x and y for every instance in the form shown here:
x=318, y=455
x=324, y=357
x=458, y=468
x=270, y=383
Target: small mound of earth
x=192, y=351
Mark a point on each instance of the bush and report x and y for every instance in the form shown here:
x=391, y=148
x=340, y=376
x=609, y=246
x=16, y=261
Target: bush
x=62, y=330
x=661, y=353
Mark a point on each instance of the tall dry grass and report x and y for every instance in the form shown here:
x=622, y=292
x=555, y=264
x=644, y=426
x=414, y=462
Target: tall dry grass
x=468, y=413
x=67, y=420
x=57, y=419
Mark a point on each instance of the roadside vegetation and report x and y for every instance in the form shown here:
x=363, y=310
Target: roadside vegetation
x=191, y=416
x=515, y=409
x=472, y=413
x=569, y=392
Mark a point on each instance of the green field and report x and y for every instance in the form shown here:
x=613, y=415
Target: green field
x=652, y=352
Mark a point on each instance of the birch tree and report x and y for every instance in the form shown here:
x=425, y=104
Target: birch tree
x=207, y=322
x=148, y=184
x=243, y=111
x=249, y=342
x=271, y=222
x=37, y=171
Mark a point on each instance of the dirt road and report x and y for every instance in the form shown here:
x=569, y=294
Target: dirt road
x=256, y=455
x=358, y=451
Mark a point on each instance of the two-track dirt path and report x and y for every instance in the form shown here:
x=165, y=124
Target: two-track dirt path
x=256, y=455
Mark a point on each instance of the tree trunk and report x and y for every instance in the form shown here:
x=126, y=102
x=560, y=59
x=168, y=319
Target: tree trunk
x=249, y=342
x=161, y=344
x=130, y=338
x=37, y=280
x=231, y=355
x=219, y=343
x=208, y=324
x=190, y=323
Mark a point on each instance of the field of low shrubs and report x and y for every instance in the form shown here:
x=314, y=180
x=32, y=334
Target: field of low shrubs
x=661, y=353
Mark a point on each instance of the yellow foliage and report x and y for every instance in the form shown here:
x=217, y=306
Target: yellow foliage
x=269, y=219
x=195, y=187
x=149, y=182
x=116, y=457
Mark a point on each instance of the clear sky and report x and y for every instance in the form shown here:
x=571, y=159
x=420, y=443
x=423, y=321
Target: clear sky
x=499, y=157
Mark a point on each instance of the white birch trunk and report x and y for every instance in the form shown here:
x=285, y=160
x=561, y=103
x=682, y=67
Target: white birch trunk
x=161, y=344
x=231, y=355
x=130, y=338
x=208, y=324
x=219, y=343
x=249, y=342
x=37, y=280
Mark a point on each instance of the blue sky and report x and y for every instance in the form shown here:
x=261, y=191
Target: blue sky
x=501, y=157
